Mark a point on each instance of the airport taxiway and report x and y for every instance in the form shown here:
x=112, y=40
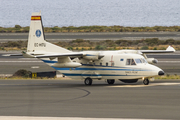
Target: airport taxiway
x=68, y=98
x=56, y=37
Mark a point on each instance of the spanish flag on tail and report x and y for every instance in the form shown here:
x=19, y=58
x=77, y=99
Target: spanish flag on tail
x=35, y=17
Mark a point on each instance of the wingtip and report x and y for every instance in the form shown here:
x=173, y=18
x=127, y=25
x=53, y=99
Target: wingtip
x=170, y=48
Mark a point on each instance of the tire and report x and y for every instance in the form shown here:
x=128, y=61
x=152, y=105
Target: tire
x=110, y=81
x=88, y=81
x=146, y=82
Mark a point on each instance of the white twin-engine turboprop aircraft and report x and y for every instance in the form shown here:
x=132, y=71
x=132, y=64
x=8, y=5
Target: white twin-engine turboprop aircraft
x=125, y=65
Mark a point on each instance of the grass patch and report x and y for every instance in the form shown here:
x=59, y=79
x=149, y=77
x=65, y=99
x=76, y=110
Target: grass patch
x=80, y=44
x=56, y=29
x=164, y=77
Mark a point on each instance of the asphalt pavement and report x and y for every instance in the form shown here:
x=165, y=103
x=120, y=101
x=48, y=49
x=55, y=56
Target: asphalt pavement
x=68, y=98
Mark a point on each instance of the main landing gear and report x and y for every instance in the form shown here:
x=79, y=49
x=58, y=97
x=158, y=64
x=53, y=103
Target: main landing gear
x=110, y=81
x=88, y=81
x=146, y=81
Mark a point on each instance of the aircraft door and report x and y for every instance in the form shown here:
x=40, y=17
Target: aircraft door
x=131, y=67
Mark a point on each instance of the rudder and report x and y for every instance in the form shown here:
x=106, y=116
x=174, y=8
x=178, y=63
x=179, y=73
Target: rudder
x=36, y=40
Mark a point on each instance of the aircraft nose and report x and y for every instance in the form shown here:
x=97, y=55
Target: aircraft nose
x=161, y=73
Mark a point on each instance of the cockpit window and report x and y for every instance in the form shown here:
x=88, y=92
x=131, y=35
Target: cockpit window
x=143, y=60
x=140, y=60
x=133, y=62
x=130, y=62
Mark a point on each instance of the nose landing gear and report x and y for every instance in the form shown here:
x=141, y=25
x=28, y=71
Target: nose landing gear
x=146, y=81
x=110, y=81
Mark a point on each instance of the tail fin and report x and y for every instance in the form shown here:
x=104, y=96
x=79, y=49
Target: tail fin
x=36, y=40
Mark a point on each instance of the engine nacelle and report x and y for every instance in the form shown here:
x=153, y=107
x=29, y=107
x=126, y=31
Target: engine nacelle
x=65, y=65
x=152, y=60
x=93, y=56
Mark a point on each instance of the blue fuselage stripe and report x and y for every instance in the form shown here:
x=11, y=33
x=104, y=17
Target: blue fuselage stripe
x=95, y=68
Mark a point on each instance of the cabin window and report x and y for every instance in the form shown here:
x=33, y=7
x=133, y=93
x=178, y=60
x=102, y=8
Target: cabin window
x=130, y=62
x=94, y=64
x=100, y=64
x=106, y=64
x=121, y=59
x=112, y=64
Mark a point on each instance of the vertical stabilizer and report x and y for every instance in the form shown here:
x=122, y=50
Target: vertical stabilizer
x=36, y=40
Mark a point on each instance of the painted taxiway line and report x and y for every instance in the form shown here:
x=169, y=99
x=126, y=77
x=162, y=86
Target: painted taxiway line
x=62, y=118
x=151, y=84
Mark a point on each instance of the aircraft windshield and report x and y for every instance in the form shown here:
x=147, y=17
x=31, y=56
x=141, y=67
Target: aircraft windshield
x=130, y=62
x=140, y=60
x=143, y=60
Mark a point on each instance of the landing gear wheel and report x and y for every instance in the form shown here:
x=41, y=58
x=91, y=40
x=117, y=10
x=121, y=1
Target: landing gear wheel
x=110, y=81
x=88, y=81
x=146, y=81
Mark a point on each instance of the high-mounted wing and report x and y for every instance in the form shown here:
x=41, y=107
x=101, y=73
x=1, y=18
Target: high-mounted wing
x=85, y=55
x=72, y=54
